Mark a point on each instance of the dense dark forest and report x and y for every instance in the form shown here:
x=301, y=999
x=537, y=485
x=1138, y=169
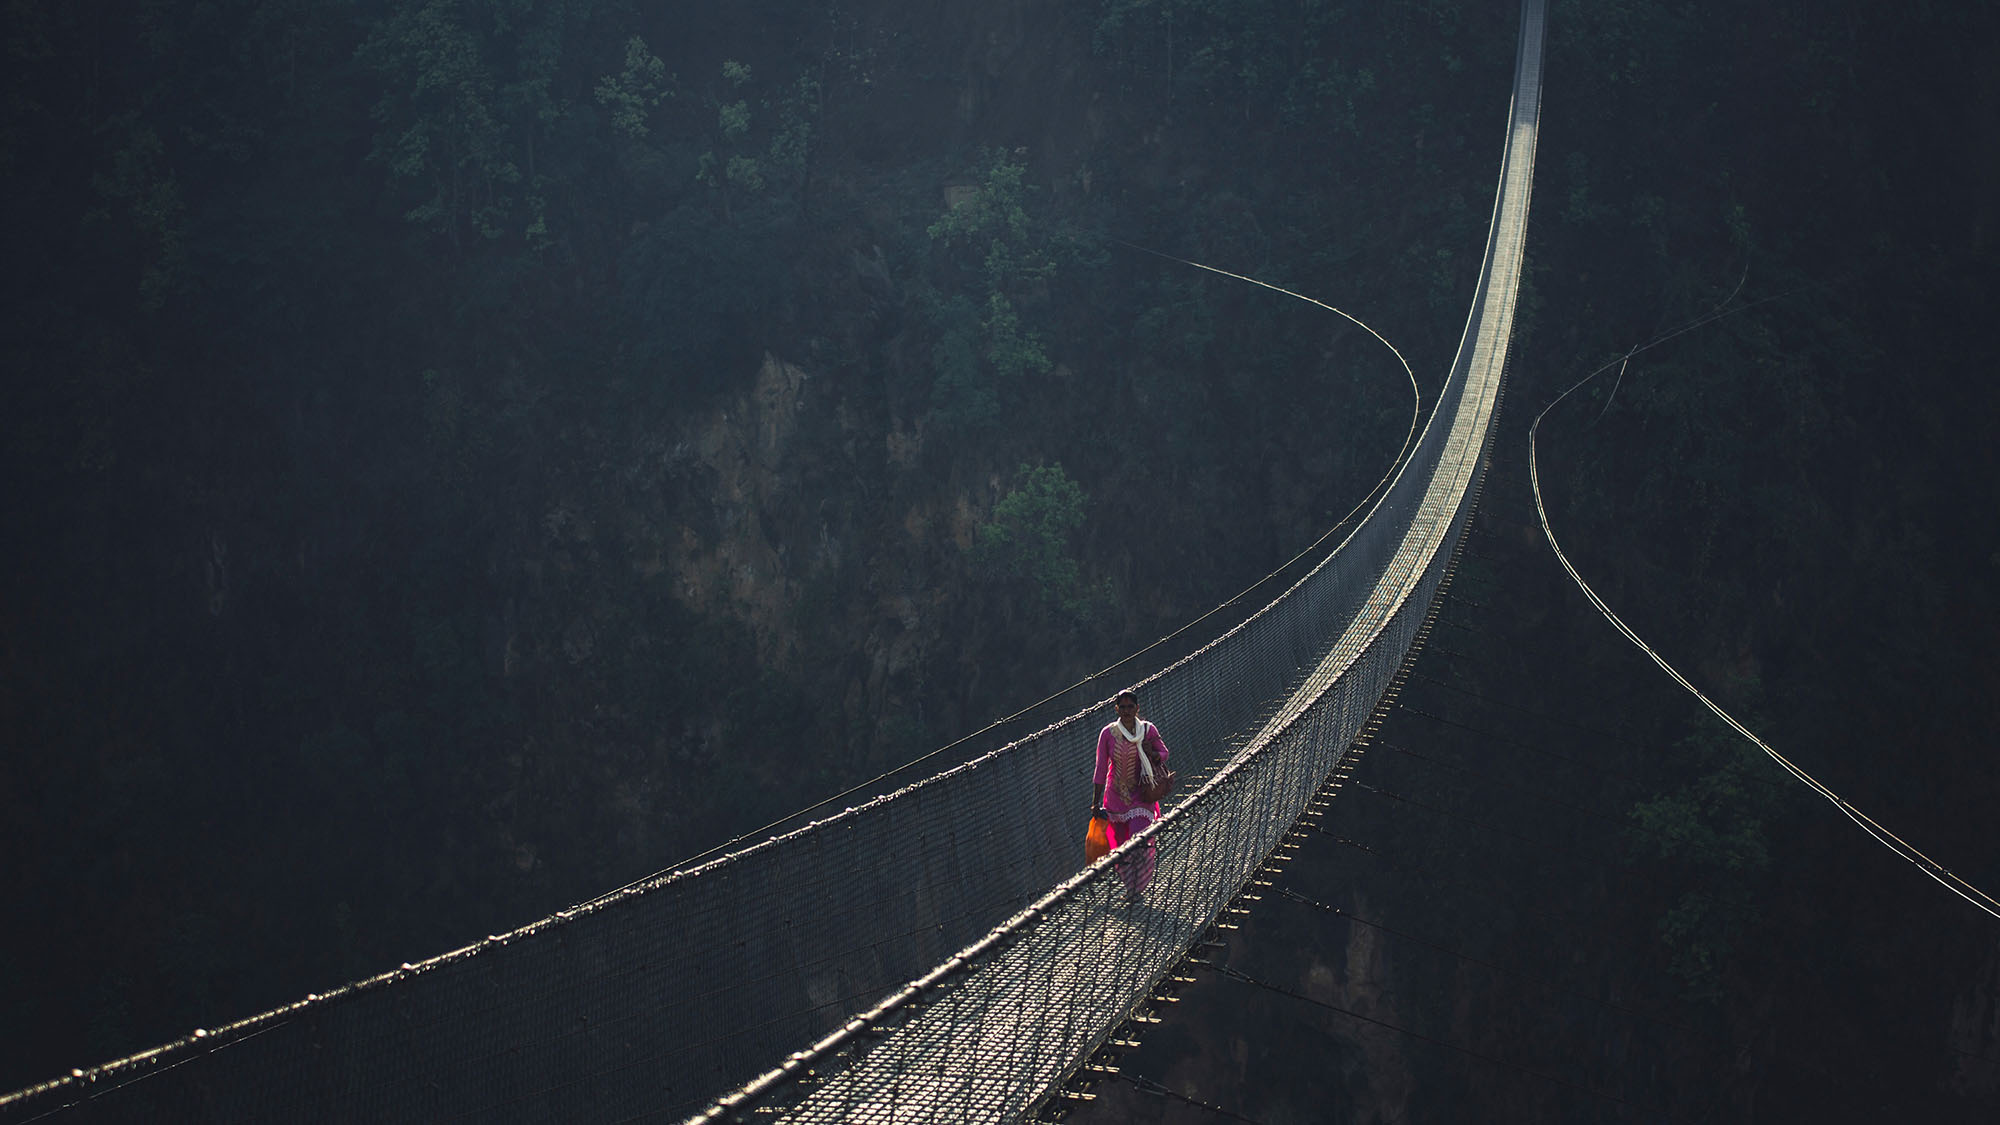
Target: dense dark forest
x=465, y=456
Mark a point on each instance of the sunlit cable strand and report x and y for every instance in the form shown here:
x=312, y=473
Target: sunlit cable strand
x=1395, y=465
x=1190, y=778
x=1757, y=778
x=1159, y=1089
x=1418, y=871
x=1626, y=360
x=1416, y=393
x=1805, y=1063
x=1238, y=975
x=733, y=1033
x=1062, y=892
x=1289, y=293
x=1771, y=782
x=649, y=931
x=1517, y=646
x=1721, y=310
x=1535, y=712
x=279, y=1015
x=1943, y=875
x=1583, y=728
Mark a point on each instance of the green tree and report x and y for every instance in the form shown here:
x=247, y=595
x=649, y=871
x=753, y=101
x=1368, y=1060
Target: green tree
x=636, y=91
x=1715, y=829
x=992, y=226
x=1030, y=540
x=727, y=167
x=792, y=142
x=989, y=242
x=759, y=145
x=469, y=92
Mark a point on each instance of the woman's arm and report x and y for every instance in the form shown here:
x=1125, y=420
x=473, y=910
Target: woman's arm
x=1102, y=773
x=1155, y=743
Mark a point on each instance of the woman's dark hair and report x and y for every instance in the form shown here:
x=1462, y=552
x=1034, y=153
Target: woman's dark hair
x=1122, y=696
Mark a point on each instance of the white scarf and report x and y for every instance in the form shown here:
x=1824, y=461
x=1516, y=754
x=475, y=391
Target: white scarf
x=1138, y=739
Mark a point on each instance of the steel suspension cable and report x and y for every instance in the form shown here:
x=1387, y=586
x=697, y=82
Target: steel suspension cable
x=1415, y=392
x=1241, y=597
x=1159, y=1089
x=1813, y=1065
x=604, y=987
x=1908, y=852
x=1708, y=1039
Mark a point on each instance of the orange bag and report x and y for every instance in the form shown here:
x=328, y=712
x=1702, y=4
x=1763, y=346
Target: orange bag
x=1097, y=842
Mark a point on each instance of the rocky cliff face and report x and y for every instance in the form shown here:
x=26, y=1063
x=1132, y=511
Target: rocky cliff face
x=739, y=453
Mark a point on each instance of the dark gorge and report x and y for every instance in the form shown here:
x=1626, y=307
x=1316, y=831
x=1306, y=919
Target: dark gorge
x=465, y=457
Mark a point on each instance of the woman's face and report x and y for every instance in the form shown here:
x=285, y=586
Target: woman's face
x=1128, y=710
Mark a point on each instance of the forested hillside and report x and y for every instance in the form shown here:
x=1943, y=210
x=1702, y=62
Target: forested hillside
x=465, y=456
x=1567, y=891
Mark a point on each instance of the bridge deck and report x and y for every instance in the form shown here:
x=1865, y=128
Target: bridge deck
x=985, y=1040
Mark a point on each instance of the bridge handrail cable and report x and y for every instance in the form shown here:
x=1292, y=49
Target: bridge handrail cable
x=973, y=1041
x=638, y=1003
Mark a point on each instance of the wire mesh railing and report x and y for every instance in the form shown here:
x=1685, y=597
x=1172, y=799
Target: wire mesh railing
x=906, y=956
x=989, y=1032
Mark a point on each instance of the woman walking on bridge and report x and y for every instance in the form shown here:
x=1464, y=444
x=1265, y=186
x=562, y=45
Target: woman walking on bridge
x=1119, y=778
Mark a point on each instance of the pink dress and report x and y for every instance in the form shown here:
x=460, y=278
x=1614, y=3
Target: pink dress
x=1118, y=772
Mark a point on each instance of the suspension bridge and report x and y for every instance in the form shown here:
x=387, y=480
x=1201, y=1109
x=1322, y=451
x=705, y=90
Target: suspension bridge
x=931, y=954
